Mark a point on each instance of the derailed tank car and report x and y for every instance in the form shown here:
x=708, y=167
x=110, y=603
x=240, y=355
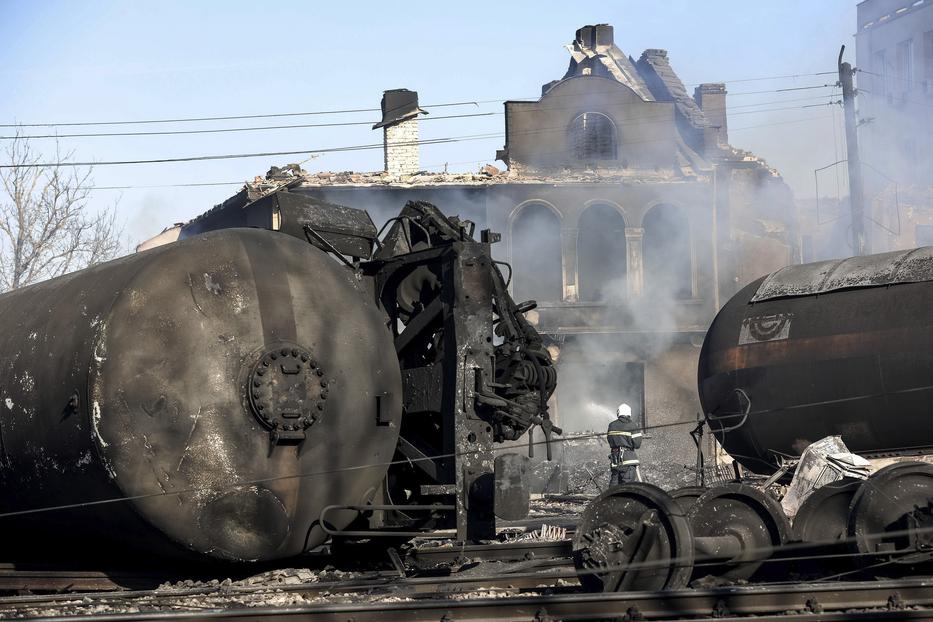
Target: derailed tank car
x=837, y=347
x=202, y=398
x=244, y=394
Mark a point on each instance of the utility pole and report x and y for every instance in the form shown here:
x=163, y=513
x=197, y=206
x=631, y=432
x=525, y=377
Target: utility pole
x=860, y=244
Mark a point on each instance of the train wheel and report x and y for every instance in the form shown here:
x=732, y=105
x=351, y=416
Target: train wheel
x=687, y=496
x=633, y=537
x=736, y=527
x=823, y=517
x=891, y=514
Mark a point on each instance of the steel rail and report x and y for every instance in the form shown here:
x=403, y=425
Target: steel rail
x=539, y=567
x=112, y=585
x=513, y=551
x=899, y=599
x=550, y=573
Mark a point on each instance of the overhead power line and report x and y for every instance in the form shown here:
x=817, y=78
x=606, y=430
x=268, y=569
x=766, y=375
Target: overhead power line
x=829, y=103
x=352, y=110
x=794, y=88
x=784, y=77
x=445, y=140
x=196, y=185
x=357, y=123
x=227, y=118
x=235, y=156
x=221, y=130
x=751, y=127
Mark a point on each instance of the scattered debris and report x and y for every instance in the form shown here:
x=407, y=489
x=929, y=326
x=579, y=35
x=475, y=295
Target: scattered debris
x=546, y=533
x=827, y=460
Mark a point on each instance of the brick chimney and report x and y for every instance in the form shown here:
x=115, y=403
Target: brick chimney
x=711, y=98
x=400, y=131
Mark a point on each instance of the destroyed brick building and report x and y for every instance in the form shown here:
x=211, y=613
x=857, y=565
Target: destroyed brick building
x=623, y=211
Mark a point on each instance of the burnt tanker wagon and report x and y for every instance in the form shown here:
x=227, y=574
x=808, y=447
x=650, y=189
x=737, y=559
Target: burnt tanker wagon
x=158, y=378
x=832, y=348
x=239, y=394
x=839, y=347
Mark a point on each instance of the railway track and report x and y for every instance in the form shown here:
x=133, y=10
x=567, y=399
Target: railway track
x=549, y=576
x=58, y=582
x=908, y=599
x=533, y=580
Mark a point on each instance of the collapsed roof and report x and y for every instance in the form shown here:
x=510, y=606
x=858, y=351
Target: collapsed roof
x=594, y=52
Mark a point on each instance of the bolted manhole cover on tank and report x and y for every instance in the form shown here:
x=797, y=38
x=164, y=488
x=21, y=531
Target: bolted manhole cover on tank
x=287, y=392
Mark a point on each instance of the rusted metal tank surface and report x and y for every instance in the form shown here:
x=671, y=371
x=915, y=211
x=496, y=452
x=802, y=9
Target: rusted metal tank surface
x=839, y=347
x=208, y=397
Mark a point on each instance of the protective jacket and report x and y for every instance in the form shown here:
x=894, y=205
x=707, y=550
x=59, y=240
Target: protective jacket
x=624, y=438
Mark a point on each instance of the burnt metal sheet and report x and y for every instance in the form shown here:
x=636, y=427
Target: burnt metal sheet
x=912, y=266
x=512, y=492
x=347, y=230
x=398, y=105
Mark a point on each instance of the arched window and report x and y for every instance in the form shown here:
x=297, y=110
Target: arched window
x=601, y=259
x=536, y=255
x=592, y=137
x=668, y=260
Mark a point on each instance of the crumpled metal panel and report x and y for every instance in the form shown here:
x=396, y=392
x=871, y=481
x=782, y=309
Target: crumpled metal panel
x=912, y=266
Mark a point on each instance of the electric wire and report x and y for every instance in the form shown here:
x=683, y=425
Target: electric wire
x=752, y=127
x=359, y=467
x=787, y=90
x=149, y=187
x=893, y=78
x=351, y=123
x=223, y=130
x=332, y=112
x=783, y=77
x=696, y=561
x=201, y=158
x=426, y=167
x=444, y=140
x=232, y=117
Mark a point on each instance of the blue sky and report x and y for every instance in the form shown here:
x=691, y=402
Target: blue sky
x=64, y=61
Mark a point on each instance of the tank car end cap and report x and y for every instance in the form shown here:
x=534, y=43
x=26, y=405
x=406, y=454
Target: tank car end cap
x=248, y=524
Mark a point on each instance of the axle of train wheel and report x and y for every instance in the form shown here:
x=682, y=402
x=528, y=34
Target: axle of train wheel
x=636, y=536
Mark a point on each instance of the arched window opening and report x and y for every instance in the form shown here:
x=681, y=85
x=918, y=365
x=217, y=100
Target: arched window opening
x=593, y=137
x=536, y=255
x=668, y=261
x=601, y=258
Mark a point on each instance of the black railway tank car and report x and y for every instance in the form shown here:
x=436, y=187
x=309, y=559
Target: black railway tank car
x=836, y=347
x=204, y=398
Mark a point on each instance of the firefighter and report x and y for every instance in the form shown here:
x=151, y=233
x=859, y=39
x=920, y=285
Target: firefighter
x=624, y=438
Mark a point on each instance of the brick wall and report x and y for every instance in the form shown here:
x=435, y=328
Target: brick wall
x=401, y=147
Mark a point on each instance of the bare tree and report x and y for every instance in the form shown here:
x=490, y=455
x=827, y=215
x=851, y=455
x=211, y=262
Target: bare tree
x=46, y=226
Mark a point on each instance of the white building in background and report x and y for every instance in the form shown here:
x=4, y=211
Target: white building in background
x=894, y=58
